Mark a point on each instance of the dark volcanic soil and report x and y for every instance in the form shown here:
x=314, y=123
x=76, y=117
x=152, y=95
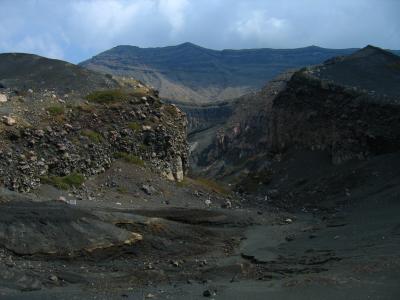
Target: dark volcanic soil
x=132, y=235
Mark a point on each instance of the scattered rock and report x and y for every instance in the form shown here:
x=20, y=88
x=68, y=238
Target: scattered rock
x=148, y=189
x=3, y=98
x=209, y=293
x=9, y=121
x=290, y=238
x=175, y=263
x=62, y=199
x=146, y=128
x=227, y=204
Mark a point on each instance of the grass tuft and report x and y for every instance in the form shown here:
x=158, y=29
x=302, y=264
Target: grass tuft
x=94, y=136
x=130, y=158
x=135, y=126
x=106, y=97
x=65, y=182
x=56, y=110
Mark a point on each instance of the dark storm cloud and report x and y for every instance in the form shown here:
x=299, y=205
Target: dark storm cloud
x=77, y=29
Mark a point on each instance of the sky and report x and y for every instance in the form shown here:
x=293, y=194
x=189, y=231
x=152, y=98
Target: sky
x=76, y=30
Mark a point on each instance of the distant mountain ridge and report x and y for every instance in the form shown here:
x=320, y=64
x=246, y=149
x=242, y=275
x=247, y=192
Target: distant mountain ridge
x=194, y=74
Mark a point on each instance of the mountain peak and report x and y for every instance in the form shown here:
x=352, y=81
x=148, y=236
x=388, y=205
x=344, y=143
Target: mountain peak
x=370, y=68
x=370, y=50
x=188, y=45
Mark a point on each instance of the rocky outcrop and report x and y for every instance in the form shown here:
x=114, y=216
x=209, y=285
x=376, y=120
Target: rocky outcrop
x=62, y=123
x=347, y=123
x=88, y=137
x=304, y=110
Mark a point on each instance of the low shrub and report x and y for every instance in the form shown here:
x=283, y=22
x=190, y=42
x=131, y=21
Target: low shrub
x=56, y=110
x=135, y=126
x=65, y=182
x=107, y=96
x=94, y=136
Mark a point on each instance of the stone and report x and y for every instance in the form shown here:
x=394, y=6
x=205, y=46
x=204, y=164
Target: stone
x=3, y=98
x=209, y=293
x=146, y=128
x=9, y=121
x=148, y=189
x=274, y=193
x=175, y=263
x=179, y=174
x=290, y=238
x=227, y=204
x=62, y=199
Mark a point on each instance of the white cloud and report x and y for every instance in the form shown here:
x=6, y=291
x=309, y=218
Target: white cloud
x=261, y=28
x=174, y=11
x=78, y=29
x=41, y=45
x=99, y=21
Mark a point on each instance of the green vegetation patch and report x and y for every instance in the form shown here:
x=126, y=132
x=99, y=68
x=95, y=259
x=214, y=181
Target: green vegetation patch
x=94, y=136
x=170, y=109
x=122, y=190
x=65, y=182
x=135, y=126
x=139, y=92
x=86, y=107
x=117, y=95
x=56, y=110
x=130, y=158
x=206, y=184
x=212, y=185
x=107, y=96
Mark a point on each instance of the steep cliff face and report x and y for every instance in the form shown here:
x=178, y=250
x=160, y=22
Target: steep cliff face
x=202, y=117
x=344, y=121
x=49, y=136
x=304, y=111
